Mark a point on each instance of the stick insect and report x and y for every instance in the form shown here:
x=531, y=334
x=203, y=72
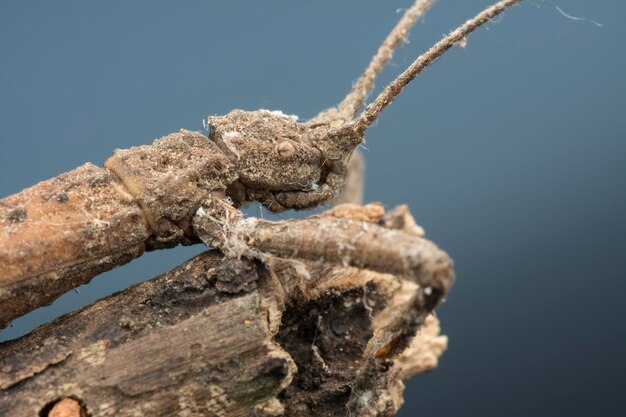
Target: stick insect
x=187, y=188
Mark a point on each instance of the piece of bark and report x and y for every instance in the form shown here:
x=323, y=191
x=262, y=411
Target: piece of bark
x=212, y=337
x=164, y=347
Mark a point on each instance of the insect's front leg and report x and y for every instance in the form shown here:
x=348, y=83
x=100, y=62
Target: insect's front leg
x=217, y=224
x=332, y=237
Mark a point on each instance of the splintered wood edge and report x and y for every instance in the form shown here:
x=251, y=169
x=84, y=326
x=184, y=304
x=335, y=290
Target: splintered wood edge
x=53, y=368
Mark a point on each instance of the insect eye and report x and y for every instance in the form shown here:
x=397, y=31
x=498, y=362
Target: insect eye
x=285, y=150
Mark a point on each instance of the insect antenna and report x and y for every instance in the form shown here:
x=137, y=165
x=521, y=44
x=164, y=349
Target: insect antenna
x=394, y=88
x=352, y=103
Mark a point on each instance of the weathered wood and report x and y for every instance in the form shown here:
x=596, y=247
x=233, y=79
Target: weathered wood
x=162, y=347
x=218, y=337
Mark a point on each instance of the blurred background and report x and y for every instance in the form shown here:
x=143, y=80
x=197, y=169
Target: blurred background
x=511, y=153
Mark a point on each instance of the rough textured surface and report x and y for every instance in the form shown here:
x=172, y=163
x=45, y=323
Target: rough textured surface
x=281, y=163
x=264, y=156
x=256, y=142
x=214, y=338
x=347, y=235
x=170, y=346
x=169, y=178
x=60, y=233
x=315, y=325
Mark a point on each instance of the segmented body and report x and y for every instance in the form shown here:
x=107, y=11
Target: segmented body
x=60, y=233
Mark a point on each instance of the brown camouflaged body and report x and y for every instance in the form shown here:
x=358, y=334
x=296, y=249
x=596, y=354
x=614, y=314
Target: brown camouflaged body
x=59, y=233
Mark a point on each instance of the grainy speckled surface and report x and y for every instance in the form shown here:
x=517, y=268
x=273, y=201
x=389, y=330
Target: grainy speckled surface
x=524, y=187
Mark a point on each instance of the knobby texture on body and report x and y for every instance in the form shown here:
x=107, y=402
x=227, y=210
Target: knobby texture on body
x=60, y=233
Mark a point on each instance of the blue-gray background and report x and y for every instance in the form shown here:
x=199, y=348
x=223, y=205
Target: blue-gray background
x=511, y=153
